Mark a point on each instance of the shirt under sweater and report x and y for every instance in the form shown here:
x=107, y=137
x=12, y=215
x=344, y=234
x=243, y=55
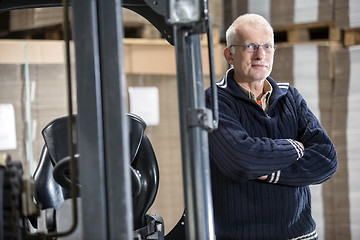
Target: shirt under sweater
x=250, y=143
x=264, y=101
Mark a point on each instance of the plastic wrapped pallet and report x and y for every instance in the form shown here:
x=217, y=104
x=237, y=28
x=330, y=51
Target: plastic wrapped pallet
x=346, y=134
x=347, y=13
x=281, y=12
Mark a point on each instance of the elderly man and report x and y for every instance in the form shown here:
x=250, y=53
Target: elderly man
x=269, y=146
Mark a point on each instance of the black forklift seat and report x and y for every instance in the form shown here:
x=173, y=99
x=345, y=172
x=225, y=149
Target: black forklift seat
x=51, y=191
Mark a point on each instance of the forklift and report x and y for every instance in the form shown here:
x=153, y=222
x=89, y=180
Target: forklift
x=97, y=174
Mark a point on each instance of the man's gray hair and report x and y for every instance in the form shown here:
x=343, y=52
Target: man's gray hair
x=254, y=20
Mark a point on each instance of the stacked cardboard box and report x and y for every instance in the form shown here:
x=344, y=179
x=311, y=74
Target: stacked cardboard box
x=347, y=13
x=135, y=25
x=281, y=12
x=346, y=134
x=348, y=19
x=308, y=64
x=25, y=19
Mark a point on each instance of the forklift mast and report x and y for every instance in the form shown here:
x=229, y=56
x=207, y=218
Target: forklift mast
x=101, y=103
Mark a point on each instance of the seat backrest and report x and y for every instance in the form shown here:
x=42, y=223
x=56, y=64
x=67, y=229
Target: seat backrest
x=49, y=194
x=144, y=168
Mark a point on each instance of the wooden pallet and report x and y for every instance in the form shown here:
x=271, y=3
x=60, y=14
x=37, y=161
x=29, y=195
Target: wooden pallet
x=351, y=37
x=322, y=31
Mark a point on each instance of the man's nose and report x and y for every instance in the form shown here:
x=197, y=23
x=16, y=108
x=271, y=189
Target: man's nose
x=260, y=52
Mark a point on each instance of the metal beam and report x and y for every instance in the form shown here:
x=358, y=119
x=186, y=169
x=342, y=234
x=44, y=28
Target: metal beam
x=194, y=139
x=102, y=125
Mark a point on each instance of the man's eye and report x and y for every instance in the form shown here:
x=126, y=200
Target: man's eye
x=267, y=46
x=249, y=46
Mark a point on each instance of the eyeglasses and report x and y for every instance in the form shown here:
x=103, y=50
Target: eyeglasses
x=253, y=47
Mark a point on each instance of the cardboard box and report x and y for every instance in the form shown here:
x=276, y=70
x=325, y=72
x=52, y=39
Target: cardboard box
x=25, y=19
x=281, y=12
x=347, y=14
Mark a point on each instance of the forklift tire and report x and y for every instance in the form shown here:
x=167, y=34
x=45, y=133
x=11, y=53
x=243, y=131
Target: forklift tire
x=10, y=200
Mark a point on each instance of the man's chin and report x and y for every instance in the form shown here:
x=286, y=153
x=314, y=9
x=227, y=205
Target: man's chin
x=259, y=77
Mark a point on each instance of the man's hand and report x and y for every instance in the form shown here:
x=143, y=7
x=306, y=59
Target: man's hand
x=263, y=177
x=301, y=144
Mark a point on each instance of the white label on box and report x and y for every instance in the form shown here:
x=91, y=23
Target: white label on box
x=7, y=127
x=144, y=102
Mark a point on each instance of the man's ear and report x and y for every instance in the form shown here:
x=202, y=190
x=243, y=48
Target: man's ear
x=228, y=55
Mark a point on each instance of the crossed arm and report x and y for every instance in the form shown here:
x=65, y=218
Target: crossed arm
x=263, y=178
x=310, y=159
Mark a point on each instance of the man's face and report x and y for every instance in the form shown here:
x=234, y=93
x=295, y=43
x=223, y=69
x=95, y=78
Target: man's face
x=251, y=66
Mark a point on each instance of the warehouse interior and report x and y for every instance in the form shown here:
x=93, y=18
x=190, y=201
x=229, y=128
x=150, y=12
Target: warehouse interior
x=318, y=52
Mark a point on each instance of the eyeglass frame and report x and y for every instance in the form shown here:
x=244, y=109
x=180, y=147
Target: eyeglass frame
x=256, y=47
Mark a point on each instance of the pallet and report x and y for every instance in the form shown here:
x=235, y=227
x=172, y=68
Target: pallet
x=351, y=37
x=323, y=31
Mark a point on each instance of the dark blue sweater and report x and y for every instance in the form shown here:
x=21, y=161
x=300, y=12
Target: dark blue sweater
x=250, y=143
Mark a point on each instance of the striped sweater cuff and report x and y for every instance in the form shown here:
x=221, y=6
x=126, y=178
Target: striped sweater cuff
x=274, y=177
x=312, y=235
x=298, y=148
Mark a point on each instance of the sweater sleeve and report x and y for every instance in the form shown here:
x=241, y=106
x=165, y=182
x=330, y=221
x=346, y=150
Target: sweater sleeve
x=242, y=157
x=319, y=161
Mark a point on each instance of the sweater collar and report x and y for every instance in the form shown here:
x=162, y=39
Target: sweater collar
x=229, y=85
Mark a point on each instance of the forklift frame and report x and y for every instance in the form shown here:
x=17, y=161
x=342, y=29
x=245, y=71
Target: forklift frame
x=102, y=134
